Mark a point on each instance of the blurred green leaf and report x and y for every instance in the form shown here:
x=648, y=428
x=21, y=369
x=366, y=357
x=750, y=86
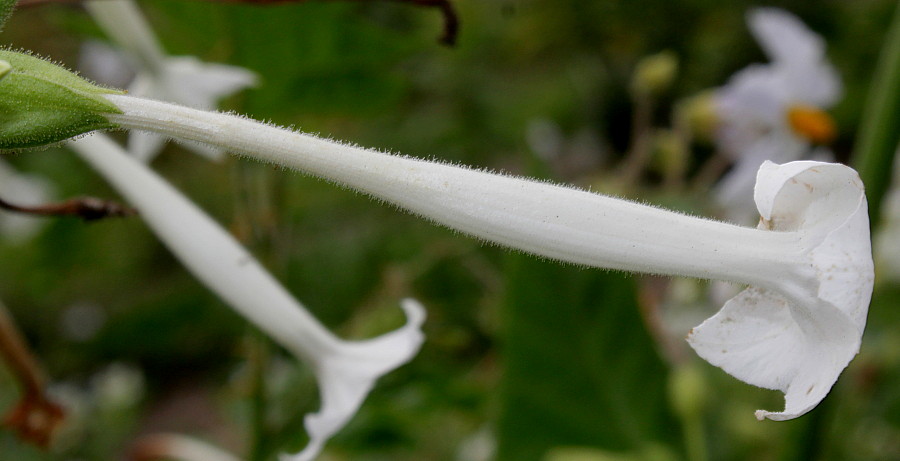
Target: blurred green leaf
x=579, y=368
x=880, y=127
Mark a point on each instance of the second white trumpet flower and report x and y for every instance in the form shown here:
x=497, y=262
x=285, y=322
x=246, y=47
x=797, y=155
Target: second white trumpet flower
x=346, y=370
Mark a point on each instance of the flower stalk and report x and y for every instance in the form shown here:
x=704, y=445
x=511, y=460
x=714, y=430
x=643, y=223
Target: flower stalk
x=35, y=417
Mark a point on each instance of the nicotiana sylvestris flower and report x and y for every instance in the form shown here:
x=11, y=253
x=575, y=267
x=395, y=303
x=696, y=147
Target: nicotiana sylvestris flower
x=774, y=111
x=183, y=80
x=346, y=370
x=809, y=265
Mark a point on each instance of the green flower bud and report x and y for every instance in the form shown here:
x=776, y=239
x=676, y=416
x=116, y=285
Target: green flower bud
x=654, y=74
x=672, y=154
x=698, y=114
x=42, y=103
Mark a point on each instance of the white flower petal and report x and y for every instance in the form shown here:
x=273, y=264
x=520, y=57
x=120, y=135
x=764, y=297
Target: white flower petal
x=757, y=100
x=189, y=81
x=104, y=64
x=784, y=37
x=346, y=370
x=347, y=376
x=182, y=80
x=179, y=447
x=735, y=191
x=21, y=189
x=751, y=106
x=800, y=339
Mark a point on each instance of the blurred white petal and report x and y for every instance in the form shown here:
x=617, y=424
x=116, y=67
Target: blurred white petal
x=785, y=38
x=182, y=80
x=179, y=448
x=755, y=108
x=21, y=189
x=346, y=370
x=104, y=64
x=734, y=191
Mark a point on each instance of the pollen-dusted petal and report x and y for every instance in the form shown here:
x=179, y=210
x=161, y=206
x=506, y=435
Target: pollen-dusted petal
x=798, y=339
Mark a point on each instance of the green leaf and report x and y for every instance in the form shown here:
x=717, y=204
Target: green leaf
x=42, y=103
x=6, y=9
x=579, y=368
x=880, y=129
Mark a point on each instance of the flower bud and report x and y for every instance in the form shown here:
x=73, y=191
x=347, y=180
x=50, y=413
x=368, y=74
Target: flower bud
x=654, y=74
x=42, y=103
x=698, y=115
x=672, y=154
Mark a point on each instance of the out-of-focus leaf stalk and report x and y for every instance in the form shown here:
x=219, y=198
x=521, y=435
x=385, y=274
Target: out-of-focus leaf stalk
x=35, y=417
x=879, y=132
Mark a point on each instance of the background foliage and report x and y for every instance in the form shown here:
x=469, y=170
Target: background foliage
x=531, y=354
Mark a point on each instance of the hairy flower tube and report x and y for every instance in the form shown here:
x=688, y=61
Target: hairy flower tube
x=809, y=266
x=346, y=370
x=183, y=79
x=774, y=111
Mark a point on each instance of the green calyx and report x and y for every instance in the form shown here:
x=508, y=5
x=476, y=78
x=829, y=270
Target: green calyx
x=42, y=103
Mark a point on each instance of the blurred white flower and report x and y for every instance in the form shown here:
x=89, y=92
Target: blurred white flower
x=774, y=111
x=118, y=386
x=21, y=189
x=346, y=370
x=183, y=80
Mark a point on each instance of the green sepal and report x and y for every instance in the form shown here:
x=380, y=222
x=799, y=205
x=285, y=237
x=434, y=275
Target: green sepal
x=42, y=103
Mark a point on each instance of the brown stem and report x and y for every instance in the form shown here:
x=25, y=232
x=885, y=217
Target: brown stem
x=35, y=417
x=86, y=208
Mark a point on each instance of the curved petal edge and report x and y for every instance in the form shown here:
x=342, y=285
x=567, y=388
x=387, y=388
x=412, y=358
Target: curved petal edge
x=799, y=341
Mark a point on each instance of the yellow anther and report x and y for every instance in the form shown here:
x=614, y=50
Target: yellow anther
x=811, y=123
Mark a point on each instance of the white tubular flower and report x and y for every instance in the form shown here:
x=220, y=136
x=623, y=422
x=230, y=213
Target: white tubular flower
x=775, y=111
x=810, y=265
x=346, y=370
x=183, y=80
x=21, y=189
